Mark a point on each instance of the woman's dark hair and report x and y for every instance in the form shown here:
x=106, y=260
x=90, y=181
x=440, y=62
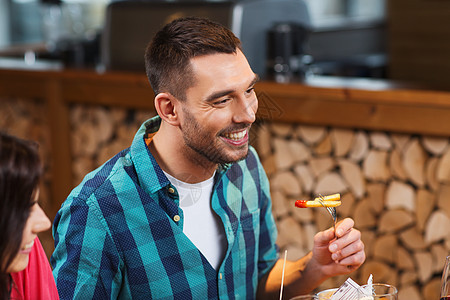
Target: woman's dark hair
x=167, y=57
x=20, y=171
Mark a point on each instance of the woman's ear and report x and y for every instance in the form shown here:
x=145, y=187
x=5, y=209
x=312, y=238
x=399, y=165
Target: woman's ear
x=166, y=107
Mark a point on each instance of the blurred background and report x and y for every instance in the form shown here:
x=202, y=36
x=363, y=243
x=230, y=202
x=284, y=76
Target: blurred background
x=398, y=39
x=340, y=37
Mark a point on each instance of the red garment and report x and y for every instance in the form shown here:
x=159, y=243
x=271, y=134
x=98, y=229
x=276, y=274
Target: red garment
x=36, y=281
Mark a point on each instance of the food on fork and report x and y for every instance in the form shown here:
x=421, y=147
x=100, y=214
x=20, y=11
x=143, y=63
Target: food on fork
x=327, y=201
x=305, y=203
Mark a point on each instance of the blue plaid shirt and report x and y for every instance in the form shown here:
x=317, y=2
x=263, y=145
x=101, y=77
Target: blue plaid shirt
x=119, y=234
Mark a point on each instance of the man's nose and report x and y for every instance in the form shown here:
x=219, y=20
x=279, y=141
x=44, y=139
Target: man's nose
x=246, y=110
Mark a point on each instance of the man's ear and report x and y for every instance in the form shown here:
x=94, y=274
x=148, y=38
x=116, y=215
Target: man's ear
x=167, y=108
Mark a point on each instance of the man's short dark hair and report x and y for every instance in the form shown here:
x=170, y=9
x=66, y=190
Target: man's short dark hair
x=167, y=57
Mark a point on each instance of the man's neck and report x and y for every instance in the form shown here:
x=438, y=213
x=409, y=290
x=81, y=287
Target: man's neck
x=175, y=158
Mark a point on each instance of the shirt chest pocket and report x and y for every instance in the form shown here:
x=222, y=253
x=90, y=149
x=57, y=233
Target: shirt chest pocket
x=248, y=240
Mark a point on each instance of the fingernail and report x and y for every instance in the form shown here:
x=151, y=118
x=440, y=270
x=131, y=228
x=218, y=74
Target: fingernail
x=334, y=257
x=333, y=247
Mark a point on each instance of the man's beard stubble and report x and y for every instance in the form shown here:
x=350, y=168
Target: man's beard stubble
x=197, y=139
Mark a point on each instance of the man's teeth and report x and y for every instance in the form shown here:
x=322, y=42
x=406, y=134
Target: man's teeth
x=28, y=246
x=236, y=135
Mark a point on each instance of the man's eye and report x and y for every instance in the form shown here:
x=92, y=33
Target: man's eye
x=222, y=101
x=250, y=90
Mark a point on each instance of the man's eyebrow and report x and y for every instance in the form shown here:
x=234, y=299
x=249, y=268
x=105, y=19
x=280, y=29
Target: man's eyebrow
x=255, y=80
x=219, y=94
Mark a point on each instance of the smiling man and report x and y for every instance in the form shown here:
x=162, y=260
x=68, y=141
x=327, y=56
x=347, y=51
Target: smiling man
x=209, y=125
x=185, y=212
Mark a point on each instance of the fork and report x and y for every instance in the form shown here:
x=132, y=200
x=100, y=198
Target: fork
x=331, y=211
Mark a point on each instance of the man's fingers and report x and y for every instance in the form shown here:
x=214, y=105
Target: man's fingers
x=348, y=251
x=347, y=245
x=343, y=226
x=324, y=238
x=354, y=260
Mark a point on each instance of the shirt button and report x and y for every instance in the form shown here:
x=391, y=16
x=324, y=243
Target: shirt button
x=176, y=218
x=220, y=275
x=171, y=190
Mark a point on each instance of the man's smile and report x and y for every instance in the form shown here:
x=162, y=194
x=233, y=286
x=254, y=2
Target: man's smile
x=236, y=138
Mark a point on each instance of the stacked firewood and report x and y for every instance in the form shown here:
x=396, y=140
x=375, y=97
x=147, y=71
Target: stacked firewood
x=395, y=186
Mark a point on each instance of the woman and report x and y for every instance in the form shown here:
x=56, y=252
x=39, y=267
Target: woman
x=25, y=272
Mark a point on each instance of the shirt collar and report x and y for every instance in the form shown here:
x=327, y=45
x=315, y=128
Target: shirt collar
x=151, y=176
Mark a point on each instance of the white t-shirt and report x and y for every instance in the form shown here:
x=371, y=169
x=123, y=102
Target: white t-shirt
x=201, y=224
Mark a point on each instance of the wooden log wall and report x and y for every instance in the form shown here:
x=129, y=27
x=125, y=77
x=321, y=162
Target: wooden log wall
x=395, y=186
x=386, y=150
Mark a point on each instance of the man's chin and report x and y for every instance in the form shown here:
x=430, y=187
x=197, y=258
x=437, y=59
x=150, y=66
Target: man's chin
x=223, y=156
x=237, y=158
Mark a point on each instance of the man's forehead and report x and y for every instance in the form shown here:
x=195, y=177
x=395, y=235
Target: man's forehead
x=212, y=56
x=219, y=63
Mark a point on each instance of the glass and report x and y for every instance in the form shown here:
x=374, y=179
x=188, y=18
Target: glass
x=380, y=291
x=445, y=283
x=326, y=294
x=305, y=297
